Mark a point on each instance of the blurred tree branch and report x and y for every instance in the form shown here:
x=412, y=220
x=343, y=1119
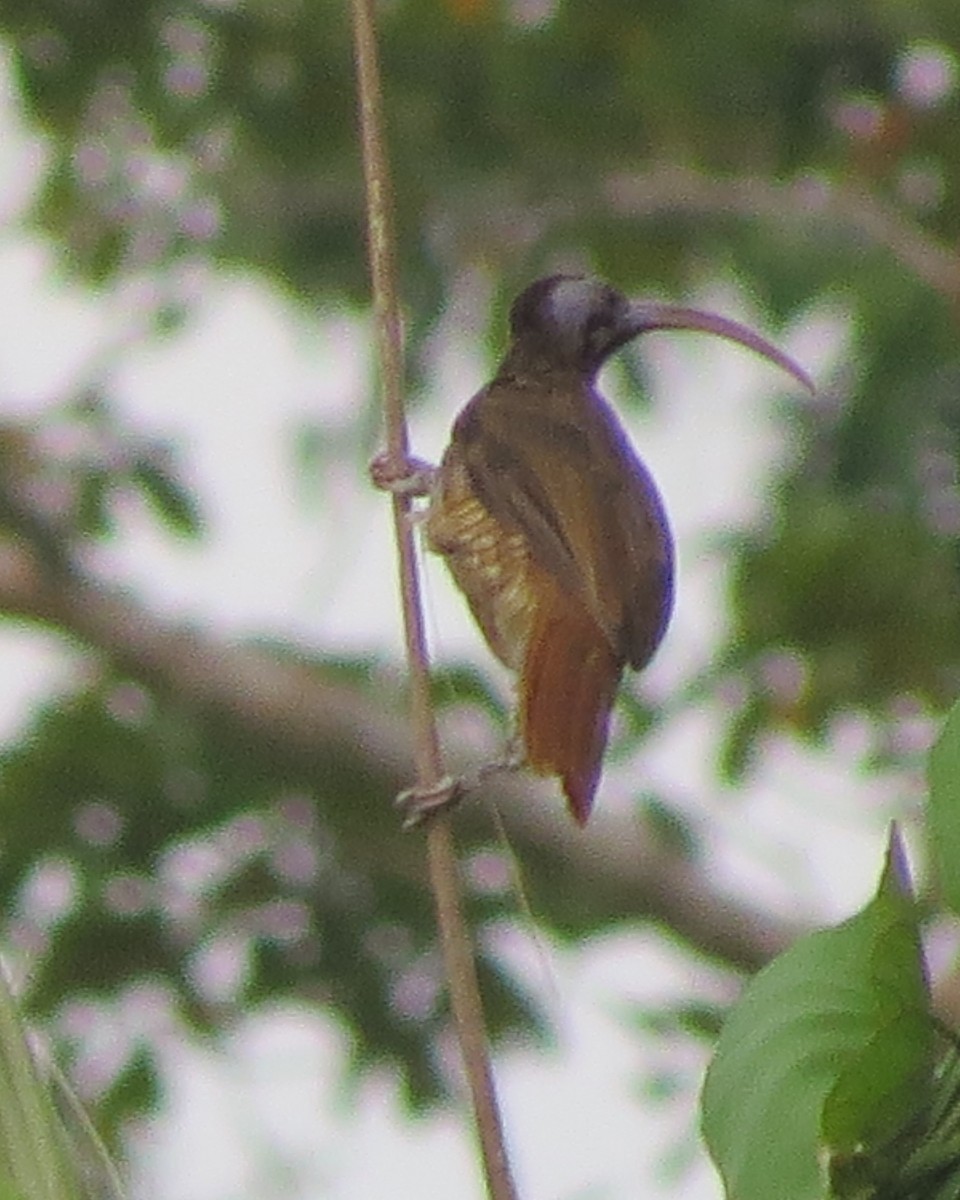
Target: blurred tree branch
x=493, y=217
x=619, y=871
x=845, y=207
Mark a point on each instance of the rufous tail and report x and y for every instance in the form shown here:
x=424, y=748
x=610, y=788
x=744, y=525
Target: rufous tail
x=566, y=692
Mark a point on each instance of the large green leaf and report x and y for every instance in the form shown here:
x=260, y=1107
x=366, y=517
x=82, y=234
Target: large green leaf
x=829, y=1053
x=943, y=812
x=48, y=1150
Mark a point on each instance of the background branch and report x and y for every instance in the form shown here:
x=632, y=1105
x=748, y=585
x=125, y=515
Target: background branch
x=291, y=713
x=843, y=207
x=495, y=218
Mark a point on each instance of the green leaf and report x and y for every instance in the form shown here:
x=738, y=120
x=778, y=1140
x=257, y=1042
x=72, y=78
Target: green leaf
x=943, y=775
x=135, y=1089
x=460, y=683
x=828, y=1052
x=702, y=1021
x=93, y=508
x=171, y=501
x=33, y=1159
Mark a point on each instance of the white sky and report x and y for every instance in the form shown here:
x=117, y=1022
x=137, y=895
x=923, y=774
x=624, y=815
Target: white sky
x=272, y=1119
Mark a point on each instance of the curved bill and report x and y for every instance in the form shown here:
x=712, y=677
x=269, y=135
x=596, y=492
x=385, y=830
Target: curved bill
x=648, y=315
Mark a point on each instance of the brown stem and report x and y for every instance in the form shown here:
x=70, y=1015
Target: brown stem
x=458, y=955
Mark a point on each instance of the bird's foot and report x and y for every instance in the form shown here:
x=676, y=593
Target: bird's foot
x=514, y=758
x=404, y=476
x=418, y=804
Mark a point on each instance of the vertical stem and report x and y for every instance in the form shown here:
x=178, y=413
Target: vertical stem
x=459, y=962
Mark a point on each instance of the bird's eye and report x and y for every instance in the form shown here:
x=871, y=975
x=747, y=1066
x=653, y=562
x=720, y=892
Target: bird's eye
x=598, y=330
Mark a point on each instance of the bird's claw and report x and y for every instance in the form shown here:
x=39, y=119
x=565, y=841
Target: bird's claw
x=403, y=476
x=420, y=803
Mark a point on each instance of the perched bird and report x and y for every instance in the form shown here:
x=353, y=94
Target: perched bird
x=552, y=526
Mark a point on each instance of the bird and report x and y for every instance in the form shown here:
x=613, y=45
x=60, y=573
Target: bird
x=552, y=526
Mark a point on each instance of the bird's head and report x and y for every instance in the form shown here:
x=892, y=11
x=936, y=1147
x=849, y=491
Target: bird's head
x=575, y=323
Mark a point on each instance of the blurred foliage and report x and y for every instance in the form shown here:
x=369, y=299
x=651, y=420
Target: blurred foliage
x=806, y=151
x=63, y=479
x=182, y=862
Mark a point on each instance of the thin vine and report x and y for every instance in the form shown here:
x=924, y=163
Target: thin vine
x=458, y=957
